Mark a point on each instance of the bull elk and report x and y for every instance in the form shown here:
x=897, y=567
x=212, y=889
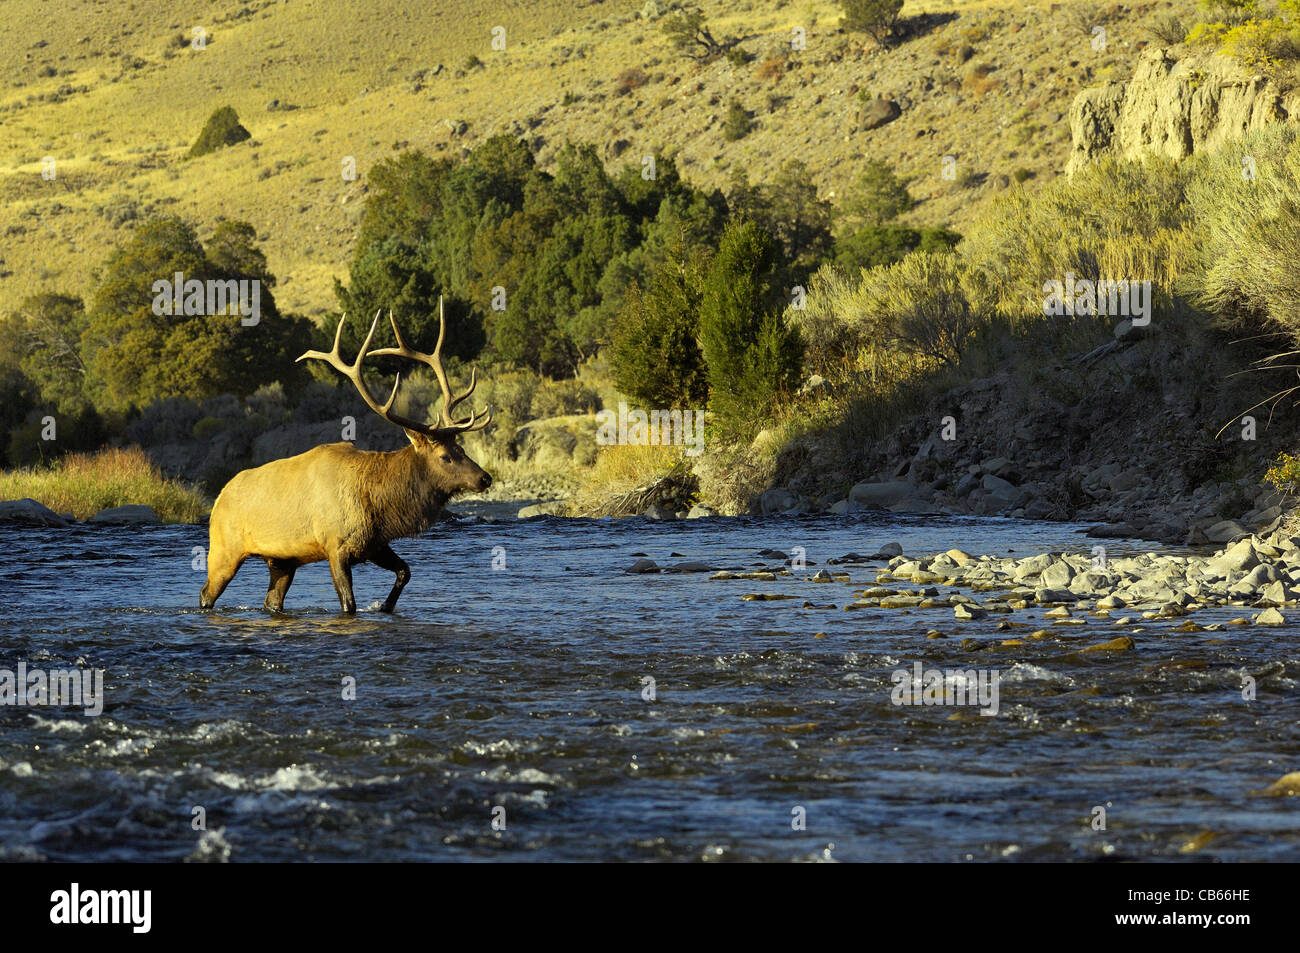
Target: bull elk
x=341, y=504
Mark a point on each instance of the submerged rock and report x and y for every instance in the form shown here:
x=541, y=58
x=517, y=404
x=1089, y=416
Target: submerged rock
x=554, y=508
x=130, y=515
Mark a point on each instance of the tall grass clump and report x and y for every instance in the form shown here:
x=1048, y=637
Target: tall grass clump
x=1247, y=202
x=85, y=483
x=1115, y=219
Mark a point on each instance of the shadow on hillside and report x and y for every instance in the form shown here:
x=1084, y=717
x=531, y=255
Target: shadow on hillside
x=1058, y=397
x=915, y=27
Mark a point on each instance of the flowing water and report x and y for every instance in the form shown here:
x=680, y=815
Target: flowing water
x=519, y=695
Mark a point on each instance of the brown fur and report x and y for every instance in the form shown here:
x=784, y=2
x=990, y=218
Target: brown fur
x=334, y=503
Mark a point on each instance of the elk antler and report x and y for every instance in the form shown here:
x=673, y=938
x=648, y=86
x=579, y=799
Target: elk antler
x=434, y=361
x=352, y=372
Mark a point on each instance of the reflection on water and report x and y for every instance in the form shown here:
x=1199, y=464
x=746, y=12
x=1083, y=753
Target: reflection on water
x=526, y=689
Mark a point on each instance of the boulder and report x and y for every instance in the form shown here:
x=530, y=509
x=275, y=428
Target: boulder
x=777, y=500
x=1239, y=557
x=31, y=512
x=882, y=494
x=657, y=511
x=879, y=112
x=130, y=515
x=1226, y=531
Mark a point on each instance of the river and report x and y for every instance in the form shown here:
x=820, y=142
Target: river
x=505, y=711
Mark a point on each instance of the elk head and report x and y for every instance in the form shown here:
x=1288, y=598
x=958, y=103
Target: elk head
x=450, y=469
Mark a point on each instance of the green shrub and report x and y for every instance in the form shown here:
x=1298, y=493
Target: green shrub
x=930, y=303
x=736, y=124
x=878, y=18
x=655, y=355
x=878, y=196
x=878, y=245
x=222, y=129
x=752, y=356
x=135, y=353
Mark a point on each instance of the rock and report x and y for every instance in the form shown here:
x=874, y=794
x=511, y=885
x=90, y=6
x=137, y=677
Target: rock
x=1044, y=596
x=1175, y=103
x=29, y=511
x=1113, y=531
x=1239, y=557
x=777, y=501
x=1057, y=575
x=129, y=515
x=881, y=494
x=840, y=507
x=1127, y=480
x=1110, y=602
x=878, y=113
x=965, y=612
x=690, y=565
x=1270, y=617
x=700, y=511
x=1126, y=331
x=1287, y=784
x=657, y=511
x=1121, y=644
x=644, y=565
x=1002, y=492
x=1032, y=567
x=823, y=576
x=553, y=508
x=1277, y=593
x=1226, y=531
x=889, y=551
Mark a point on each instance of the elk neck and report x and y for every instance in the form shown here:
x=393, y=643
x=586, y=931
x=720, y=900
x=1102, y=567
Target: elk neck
x=406, y=493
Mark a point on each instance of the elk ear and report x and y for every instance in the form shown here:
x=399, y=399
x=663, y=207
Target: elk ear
x=418, y=440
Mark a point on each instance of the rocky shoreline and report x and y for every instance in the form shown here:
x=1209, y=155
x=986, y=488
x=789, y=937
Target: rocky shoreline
x=1259, y=575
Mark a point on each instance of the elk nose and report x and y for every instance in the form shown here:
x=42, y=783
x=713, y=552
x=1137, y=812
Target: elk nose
x=485, y=482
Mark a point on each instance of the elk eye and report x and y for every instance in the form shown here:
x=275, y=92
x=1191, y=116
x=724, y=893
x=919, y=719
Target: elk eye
x=446, y=459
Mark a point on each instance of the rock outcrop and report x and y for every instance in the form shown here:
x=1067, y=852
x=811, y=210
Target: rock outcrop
x=1173, y=106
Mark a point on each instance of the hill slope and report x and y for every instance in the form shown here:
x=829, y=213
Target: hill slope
x=115, y=95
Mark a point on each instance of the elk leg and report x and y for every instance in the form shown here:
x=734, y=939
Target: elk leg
x=385, y=558
x=282, y=571
x=341, y=572
x=220, y=572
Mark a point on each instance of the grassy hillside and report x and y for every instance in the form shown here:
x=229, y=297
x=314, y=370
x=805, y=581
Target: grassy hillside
x=114, y=93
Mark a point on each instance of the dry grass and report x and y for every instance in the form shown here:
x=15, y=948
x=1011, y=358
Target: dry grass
x=134, y=98
x=83, y=484
x=623, y=470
